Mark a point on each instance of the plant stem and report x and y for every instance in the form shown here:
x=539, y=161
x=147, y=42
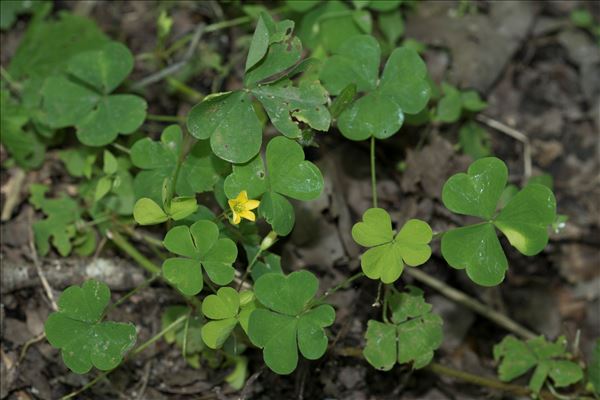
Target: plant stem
x=471, y=303
x=123, y=298
x=339, y=286
x=15, y=86
x=121, y=147
x=132, y=252
x=385, y=304
x=373, y=177
x=249, y=268
x=164, y=118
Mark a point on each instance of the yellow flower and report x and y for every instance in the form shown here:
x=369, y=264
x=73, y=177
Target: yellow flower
x=241, y=206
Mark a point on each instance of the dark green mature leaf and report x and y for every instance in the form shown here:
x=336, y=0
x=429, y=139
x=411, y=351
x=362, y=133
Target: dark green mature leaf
x=26, y=148
x=412, y=335
x=549, y=359
x=289, y=323
x=289, y=175
x=199, y=171
x=76, y=329
x=58, y=228
x=327, y=26
x=231, y=124
x=267, y=32
x=279, y=57
x=524, y=220
x=387, y=254
x=48, y=45
x=9, y=9
x=403, y=89
x=199, y=246
x=285, y=104
x=355, y=62
x=82, y=99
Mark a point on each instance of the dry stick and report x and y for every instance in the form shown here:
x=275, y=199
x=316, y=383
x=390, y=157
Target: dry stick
x=12, y=190
x=469, y=302
x=515, y=134
x=37, y=264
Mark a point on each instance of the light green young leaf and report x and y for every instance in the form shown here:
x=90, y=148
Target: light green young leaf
x=472, y=102
x=110, y=163
x=147, y=212
x=289, y=324
x=76, y=329
x=387, y=254
x=103, y=187
x=177, y=335
x=449, y=107
x=474, y=140
x=391, y=25
x=182, y=207
x=199, y=247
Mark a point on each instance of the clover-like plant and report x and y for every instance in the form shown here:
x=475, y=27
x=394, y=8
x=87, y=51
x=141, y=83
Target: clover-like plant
x=524, y=220
x=411, y=335
x=287, y=174
x=290, y=321
x=454, y=103
x=197, y=172
x=200, y=248
x=387, y=253
x=225, y=309
x=402, y=89
x=550, y=360
x=83, y=98
x=78, y=331
x=229, y=119
x=59, y=227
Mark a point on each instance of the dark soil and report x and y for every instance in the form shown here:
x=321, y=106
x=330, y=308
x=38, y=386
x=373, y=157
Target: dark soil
x=539, y=74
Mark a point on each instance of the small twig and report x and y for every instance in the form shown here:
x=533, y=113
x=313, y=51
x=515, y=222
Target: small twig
x=173, y=68
x=145, y=379
x=28, y=344
x=471, y=303
x=12, y=190
x=515, y=134
x=37, y=264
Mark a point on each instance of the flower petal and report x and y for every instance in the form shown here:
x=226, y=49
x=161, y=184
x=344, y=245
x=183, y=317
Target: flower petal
x=236, y=218
x=242, y=197
x=249, y=215
x=251, y=204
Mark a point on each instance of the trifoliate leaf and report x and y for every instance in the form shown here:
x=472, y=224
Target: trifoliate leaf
x=403, y=89
x=524, y=220
x=231, y=124
x=76, y=329
x=199, y=246
x=83, y=98
x=516, y=357
x=472, y=102
x=289, y=324
x=412, y=335
x=449, y=107
x=387, y=254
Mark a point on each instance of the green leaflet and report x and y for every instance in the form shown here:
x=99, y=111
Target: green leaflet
x=524, y=220
x=289, y=323
x=226, y=309
x=199, y=247
x=76, y=329
x=516, y=357
x=289, y=175
x=411, y=336
x=387, y=254
x=199, y=172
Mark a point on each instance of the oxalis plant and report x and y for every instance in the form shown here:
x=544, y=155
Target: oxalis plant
x=236, y=295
